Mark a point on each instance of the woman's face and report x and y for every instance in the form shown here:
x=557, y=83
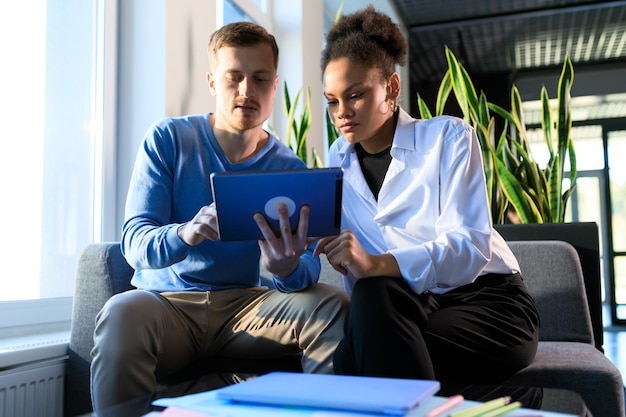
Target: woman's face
x=360, y=103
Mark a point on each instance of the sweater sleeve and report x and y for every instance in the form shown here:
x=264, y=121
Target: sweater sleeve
x=306, y=273
x=149, y=237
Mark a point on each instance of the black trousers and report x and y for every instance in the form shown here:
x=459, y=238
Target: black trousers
x=478, y=333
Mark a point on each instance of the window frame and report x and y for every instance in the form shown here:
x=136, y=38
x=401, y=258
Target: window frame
x=20, y=317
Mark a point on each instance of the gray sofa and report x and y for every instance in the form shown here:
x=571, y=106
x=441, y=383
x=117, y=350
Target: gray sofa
x=566, y=359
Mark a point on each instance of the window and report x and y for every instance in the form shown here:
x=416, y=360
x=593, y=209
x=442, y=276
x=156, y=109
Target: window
x=51, y=126
x=256, y=11
x=233, y=13
x=617, y=170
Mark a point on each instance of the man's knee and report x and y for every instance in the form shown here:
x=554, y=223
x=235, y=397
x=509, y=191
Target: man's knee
x=124, y=321
x=325, y=296
x=129, y=306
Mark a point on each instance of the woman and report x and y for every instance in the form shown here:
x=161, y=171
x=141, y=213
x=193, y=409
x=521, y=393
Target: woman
x=436, y=292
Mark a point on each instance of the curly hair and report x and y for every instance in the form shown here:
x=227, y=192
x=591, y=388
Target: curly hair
x=368, y=37
x=240, y=34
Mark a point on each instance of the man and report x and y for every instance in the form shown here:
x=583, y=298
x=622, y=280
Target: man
x=198, y=296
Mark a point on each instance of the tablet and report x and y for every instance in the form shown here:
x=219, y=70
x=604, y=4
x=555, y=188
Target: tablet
x=238, y=195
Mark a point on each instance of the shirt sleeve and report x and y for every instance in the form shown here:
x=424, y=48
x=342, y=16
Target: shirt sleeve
x=457, y=248
x=149, y=239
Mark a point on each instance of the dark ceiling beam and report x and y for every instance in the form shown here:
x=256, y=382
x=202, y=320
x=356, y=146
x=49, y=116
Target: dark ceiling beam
x=455, y=24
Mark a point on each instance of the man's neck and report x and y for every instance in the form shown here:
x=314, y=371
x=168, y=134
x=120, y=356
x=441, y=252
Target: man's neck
x=240, y=146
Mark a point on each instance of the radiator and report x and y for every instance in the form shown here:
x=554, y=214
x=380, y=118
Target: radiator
x=33, y=390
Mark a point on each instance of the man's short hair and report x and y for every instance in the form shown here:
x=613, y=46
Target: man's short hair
x=240, y=34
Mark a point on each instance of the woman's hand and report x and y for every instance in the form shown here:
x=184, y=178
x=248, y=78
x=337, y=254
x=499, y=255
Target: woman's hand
x=345, y=253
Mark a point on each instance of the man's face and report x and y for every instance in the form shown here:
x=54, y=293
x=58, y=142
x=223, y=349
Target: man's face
x=244, y=83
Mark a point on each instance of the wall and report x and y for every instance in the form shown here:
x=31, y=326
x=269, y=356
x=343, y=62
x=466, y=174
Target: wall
x=162, y=65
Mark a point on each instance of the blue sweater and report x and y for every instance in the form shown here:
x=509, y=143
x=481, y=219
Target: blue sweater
x=169, y=184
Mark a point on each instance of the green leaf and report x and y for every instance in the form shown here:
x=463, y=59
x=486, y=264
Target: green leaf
x=317, y=161
x=423, y=108
x=462, y=87
x=514, y=192
x=445, y=88
x=331, y=131
x=546, y=121
x=291, y=111
x=516, y=111
x=338, y=14
x=554, y=195
x=305, y=124
x=563, y=127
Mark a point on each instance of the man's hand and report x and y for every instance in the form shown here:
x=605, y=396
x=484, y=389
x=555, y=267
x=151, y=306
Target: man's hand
x=282, y=254
x=202, y=226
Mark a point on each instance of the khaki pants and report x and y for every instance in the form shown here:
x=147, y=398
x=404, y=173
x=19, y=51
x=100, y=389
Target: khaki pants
x=142, y=335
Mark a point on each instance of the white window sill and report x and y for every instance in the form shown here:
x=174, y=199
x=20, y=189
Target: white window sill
x=46, y=344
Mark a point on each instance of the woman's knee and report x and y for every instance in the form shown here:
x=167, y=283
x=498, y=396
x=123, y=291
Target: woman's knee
x=378, y=291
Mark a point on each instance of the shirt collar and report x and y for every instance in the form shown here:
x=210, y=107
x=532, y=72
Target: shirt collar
x=403, y=136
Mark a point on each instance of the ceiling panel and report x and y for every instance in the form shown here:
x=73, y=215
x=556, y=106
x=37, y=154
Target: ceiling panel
x=509, y=36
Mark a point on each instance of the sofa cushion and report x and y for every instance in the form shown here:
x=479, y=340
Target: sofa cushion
x=578, y=367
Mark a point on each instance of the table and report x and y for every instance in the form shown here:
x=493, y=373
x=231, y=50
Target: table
x=541, y=399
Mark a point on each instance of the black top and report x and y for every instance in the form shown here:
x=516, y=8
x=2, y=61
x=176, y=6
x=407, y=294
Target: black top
x=374, y=167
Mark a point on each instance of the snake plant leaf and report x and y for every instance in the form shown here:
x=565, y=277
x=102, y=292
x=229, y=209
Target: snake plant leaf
x=499, y=201
x=508, y=117
x=286, y=98
x=338, y=14
x=291, y=108
x=547, y=124
x=317, y=160
x=555, y=189
x=463, y=90
x=471, y=93
x=507, y=155
x=303, y=129
x=517, y=112
x=331, y=131
x=564, y=121
x=445, y=88
x=564, y=126
x=483, y=114
x=423, y=108
x=573, y=168
x=531, y=170
x=514, y=192
x=502, y=113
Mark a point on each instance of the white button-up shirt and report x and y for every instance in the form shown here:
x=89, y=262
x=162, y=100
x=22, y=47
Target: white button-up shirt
x=432, y=212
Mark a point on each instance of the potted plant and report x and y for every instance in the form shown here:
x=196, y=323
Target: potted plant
x=519, y=190
x=516, y=184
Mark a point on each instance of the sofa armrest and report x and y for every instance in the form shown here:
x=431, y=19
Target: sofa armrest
x=553, y=276
x=101, y=272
